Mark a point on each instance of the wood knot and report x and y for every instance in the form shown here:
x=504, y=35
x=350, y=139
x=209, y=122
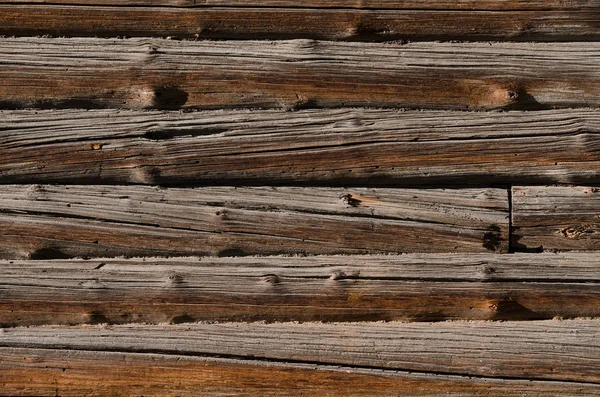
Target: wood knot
x=300, y=102
x=162, y=97
x=506, y=307
x=92, y=284
x=174, y=280
x=140, y=98
x=271, y=279
x=578, y=232
x=348, y=199
x=512, y=95
x=146, y=175
x=487, y=272
x=339, y=275
x=492, y=238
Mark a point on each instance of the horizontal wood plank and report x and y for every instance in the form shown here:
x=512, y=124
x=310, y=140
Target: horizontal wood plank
x=227, y=21
x=53, y=222
x=326, y=288
x=45, y=372
x=167, y=74
x=348, y=147
x=472, y=5
x=556, y=218
x=554, y=350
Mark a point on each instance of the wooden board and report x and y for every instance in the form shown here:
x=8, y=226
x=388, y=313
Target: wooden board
x=327, y=288
x=167, y=74
x=44, y=372
x=53, y=222
x=349, y=147
x=556, y=218
x=229, y=20
x=554, y=350
x=471, y=5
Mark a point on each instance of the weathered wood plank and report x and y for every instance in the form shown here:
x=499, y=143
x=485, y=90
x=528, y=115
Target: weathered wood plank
x=556, y=218
x=227, y=22
x=44, y=372
x=346, y=147
x=472, y=5
x=46, y=222
x=326, y=288
x=555, y=350
x=167, y=74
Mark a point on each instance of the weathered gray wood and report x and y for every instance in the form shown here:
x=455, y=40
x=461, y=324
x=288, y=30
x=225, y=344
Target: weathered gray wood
x=44, y=372
x=52, y=222
x=555, y=350
x=167, y=74
x=226, y=21
x=329, y=288
x=342, y=146
x=556, y=218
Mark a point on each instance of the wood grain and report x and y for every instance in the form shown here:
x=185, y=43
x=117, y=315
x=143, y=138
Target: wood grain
x=53, y=222
x=227, y=21
x=327, y=288
x=471, y=5
x=348, y=147
x=556, y=218
x=554, y=350
x=44, y=372
x=167, y=74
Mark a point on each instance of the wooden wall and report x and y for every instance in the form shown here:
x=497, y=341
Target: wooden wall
x=316, y=198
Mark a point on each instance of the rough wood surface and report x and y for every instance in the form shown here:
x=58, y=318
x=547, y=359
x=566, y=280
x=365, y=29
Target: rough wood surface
x=167, y=74
x=471, y=5
x=556, y=218
x=226, y=21
x=349, y=147
x=554, y=350
x=328, y=288
x=52, y=222
x=44, y=372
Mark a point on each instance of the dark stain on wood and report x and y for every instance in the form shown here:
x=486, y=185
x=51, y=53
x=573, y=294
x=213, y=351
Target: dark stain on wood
x=492, y=238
